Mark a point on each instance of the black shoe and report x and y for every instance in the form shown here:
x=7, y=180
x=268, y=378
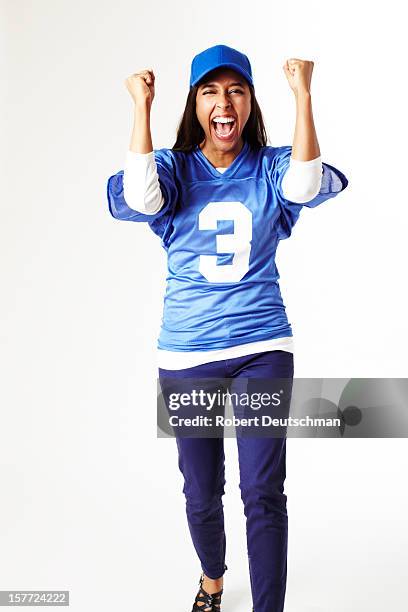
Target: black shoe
x=210, y=603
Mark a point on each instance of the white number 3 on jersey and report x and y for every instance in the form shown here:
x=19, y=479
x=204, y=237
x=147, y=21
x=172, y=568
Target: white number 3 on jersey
x=238, y=243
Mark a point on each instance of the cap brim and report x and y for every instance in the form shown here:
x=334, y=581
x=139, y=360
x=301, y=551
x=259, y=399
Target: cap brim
x=235, y=67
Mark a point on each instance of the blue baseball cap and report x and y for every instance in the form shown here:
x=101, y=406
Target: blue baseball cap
x=217, y=56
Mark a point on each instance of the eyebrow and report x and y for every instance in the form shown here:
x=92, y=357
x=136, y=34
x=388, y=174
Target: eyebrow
x=230, y=85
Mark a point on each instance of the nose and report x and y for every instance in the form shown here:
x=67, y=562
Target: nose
x=223, y=101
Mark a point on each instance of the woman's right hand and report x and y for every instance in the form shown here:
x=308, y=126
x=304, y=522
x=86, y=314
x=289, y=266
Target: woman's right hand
x=141, y=87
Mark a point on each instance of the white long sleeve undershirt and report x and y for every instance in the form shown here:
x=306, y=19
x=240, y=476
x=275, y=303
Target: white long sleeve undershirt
x=301, y=181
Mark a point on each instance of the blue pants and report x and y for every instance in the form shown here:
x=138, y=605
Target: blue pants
x=262, y=466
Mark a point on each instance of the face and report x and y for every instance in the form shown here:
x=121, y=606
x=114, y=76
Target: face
x=225, y=94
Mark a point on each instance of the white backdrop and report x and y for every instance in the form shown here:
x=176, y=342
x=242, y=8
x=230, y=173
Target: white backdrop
x=91, y=500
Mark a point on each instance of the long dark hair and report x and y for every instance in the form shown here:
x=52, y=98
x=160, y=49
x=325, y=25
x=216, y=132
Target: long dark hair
x=190, y=133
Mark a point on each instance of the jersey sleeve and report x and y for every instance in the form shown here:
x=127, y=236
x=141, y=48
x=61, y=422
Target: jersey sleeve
x=159, y=222
x=333, y=182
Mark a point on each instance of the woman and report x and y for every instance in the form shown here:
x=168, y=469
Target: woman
x=221, y=200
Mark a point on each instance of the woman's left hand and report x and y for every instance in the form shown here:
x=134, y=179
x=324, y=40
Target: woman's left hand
x=299, y=74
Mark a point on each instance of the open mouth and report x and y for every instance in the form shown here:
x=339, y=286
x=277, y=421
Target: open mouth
x=224, y=128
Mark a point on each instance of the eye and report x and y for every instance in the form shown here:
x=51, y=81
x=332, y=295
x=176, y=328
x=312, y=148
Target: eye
x=232, y=91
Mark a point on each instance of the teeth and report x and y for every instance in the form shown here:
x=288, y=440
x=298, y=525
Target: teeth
x=223, y=119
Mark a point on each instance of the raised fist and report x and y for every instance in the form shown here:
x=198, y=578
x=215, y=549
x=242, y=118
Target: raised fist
x=299, y=74
x=141, y=87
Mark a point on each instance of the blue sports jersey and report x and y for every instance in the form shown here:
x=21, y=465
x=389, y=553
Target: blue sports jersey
x=221, y=232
